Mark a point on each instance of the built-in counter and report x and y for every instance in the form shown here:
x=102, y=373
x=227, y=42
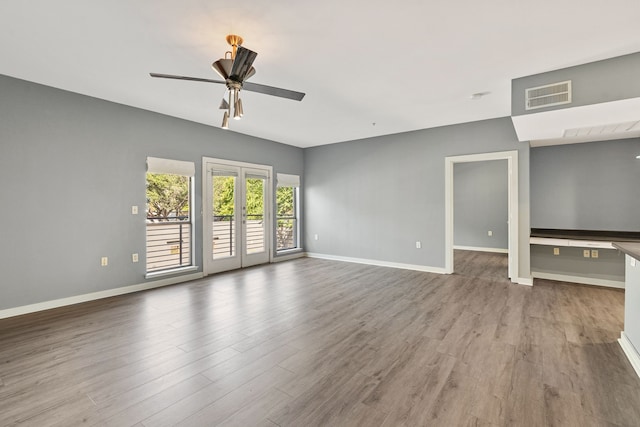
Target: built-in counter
x=579, y=256
x=630, y=337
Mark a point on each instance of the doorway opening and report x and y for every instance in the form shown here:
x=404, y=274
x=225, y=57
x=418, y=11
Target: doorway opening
x=512, y=202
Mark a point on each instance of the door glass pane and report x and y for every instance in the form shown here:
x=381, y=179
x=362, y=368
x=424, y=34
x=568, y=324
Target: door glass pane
x=255, y=229
x=224, y=224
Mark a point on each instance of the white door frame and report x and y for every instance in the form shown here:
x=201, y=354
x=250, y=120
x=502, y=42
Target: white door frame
x=513, y=217
x=207, y=261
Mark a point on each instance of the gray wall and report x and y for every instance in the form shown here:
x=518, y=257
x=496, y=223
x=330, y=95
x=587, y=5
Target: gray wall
x=571, y=262
x=601, y=81
x=375, y=198
x=590, y=186
x=481, y=204
x=72, y=166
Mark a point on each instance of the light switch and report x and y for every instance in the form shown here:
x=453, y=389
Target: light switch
x=134, y=210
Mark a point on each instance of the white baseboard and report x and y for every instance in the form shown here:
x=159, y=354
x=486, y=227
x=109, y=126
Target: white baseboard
x=578, y=279
x=630, y=351
x=481, y=249
x=47, y=305
x=527, y=281
x=424, y=268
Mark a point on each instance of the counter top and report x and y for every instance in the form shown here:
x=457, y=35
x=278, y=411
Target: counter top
x=596, y=235
x=629, y=248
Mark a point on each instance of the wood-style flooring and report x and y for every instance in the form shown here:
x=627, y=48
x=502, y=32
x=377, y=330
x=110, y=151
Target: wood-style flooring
x=312, y=342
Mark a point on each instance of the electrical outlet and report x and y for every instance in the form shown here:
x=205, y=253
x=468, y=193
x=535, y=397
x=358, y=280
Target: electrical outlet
x=134, y=210
x=586, y=253
x=315, y=237
x=594, y=253
x=104, y=261
x=556, y=251
x=489, y=233
x=418, y=245
x=134, y=257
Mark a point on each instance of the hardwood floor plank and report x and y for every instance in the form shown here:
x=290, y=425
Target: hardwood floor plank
x=136, y=412
x=225, y=378
x=151, y=388
x=318, y=342
x=233, y=402
x=253, y=413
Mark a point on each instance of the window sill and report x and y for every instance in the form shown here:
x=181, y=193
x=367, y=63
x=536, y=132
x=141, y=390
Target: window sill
x=288, y=254
x=173, y=271
x=289, y=251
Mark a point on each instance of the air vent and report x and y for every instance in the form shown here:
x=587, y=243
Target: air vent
x=549, y=95
x=630, y=128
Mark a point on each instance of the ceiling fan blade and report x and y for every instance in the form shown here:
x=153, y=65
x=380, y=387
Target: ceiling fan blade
x=274, y=91
x=194, y=79
x=242, y=64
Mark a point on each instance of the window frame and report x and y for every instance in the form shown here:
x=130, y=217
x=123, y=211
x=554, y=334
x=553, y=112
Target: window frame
x=289, y=181
x=181, y=168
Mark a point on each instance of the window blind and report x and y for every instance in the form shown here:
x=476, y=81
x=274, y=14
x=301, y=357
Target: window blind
x=175, y=167
x=286, y=180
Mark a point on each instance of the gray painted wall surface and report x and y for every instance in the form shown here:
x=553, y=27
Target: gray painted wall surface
x=608, y=266
x=72, y=166
x=374, y=198
x=590, y=186
x=601, y=81
x=481, y=204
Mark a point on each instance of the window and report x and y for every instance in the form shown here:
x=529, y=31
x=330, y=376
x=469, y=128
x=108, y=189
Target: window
x=169, y=214
x=287, y=225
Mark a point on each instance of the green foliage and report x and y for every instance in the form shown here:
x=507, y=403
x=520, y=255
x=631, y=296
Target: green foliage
x=255, y=196
x=284, y=201
x=167, y=194
x=223, y=204
x=223, y=195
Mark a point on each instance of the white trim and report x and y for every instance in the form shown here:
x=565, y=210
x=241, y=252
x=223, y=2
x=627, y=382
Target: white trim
x=290, y=254
x=513, y=200
x=164, y=273
x=481, y=249
x=47, y=305
x=571, y=242
x=415, y=267
x=526, y=281
x=578, y=279
x=630, y=351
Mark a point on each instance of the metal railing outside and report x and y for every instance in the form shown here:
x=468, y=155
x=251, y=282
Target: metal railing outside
x=224, y=235
x=168, y=243
x=286, y=233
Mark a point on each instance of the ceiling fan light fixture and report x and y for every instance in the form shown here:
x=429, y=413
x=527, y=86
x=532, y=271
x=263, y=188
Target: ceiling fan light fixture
x=239, y=107
x=223, y=67
x=235, y=67
x=225, y=120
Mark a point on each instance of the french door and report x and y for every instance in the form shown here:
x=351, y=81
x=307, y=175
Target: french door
x=237, y=220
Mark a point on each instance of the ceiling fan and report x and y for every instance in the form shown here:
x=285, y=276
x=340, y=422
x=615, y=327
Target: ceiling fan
x=235, y=70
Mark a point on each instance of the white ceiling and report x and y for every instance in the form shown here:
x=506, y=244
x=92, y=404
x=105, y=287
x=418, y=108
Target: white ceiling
x=368, y=67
